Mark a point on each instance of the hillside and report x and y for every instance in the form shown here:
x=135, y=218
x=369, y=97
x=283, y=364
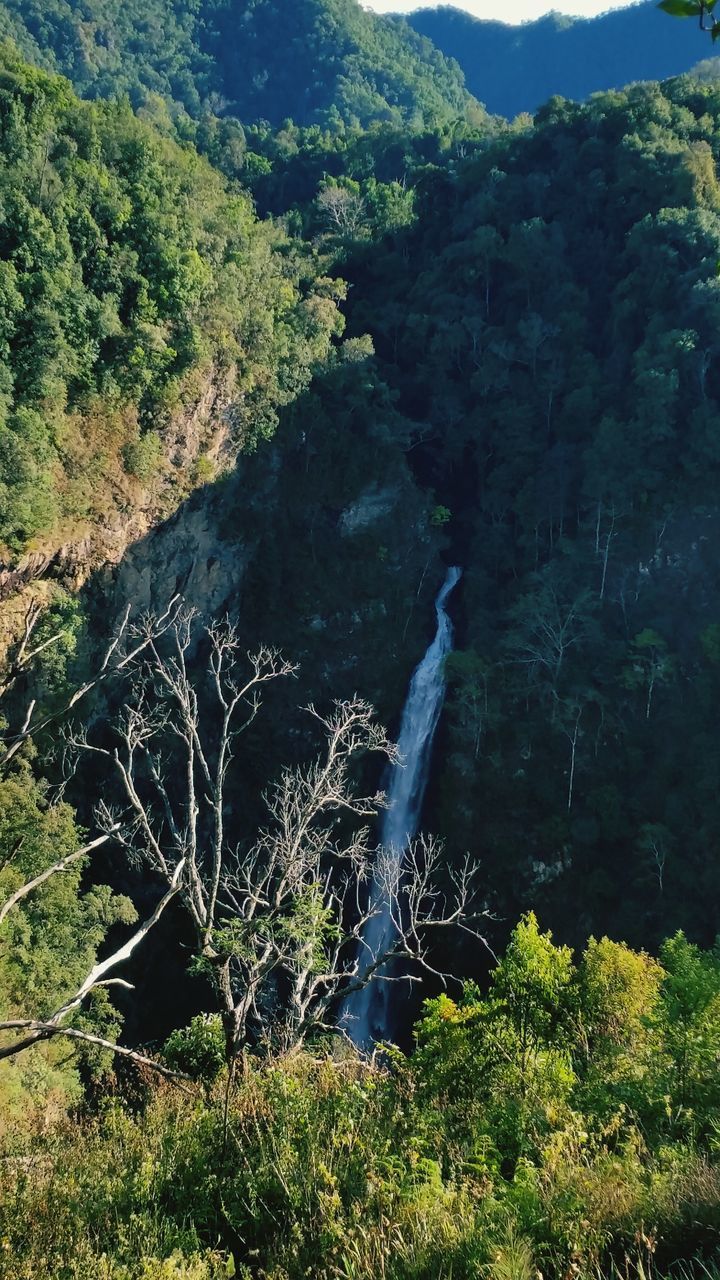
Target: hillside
x=549, y=330
x=359, y=656
x=140, y=299
x=513, y=69
x=316, y=61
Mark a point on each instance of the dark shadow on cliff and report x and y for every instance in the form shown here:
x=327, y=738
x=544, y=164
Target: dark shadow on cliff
x=320, y=544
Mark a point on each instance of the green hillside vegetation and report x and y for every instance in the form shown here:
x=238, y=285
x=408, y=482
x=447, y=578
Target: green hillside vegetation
x=565, y=1121
x=295, y=171
x=316, y=61
x=528, y=386
x=548, y=327
x=132, y=279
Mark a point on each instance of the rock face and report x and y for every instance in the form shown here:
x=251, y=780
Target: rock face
x=319, y=542
x=184, y=555
x=204, y=551
x=377, y=501
x=338, y=571
x=198, y=443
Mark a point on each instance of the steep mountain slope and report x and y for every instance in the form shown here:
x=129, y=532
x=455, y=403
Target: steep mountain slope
x=544, y=308
x=513, y=69
x=317, y=61
x=547, y=368
x=149, y=322
x=550, y=330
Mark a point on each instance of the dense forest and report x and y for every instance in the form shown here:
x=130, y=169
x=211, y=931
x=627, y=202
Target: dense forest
x=317, y=62
x=561, y=394
x=131, y=274
x=290, y=324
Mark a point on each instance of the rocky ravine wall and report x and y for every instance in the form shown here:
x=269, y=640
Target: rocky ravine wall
x=198, y=439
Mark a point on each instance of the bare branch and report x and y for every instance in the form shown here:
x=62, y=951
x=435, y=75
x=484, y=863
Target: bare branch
x=94, y=979
x=285, y=926
x=46, y=1030
x=144, y=633
x=62, y=865
x=123, y=953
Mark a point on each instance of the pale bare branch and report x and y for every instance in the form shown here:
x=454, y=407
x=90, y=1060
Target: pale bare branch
x=46, y=1031
x=145, y=633
x=31, y=885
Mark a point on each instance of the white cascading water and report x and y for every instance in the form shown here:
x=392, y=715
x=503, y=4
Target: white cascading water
x=365, y=1014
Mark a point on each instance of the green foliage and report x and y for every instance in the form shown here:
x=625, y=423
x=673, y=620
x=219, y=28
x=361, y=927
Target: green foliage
x=206, y=1266
x=142, y=457
x=440, y=516
x=57, y=640
x=333, y=1166
x=48, y=941
x=513, y=1044
x=688, y=1021
x=543, y=305
x=547, y=327
x=197, y=1050
x=617, y=1045
x=700, y=9
x=131, y=276
x=325, y=61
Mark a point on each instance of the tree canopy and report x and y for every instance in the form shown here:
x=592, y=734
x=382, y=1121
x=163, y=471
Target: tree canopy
x=317, y=61
x=132, y=277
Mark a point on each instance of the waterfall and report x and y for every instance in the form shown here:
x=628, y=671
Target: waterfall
x=365, y=1014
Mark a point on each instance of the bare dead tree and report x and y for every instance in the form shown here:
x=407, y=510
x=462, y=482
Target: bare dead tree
x=551, y=624
x=551, y=628
x=343, y=210
x=117, y=658
x=426, y=895
x=279, y=922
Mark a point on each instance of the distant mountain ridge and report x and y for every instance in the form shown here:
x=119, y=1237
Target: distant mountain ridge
x=513, y=69
x=315, y=61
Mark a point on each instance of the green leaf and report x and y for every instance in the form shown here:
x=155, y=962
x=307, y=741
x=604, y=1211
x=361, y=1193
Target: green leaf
x=715, y=31
x=681, y=8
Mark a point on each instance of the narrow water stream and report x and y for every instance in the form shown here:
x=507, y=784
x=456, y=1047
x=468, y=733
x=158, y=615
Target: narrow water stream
x=366, y=1014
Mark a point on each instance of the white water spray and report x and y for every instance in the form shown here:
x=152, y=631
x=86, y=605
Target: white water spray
x=365, y=1015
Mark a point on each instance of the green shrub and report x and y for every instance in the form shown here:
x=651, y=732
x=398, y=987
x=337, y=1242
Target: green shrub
x=525, y=1133
x=197, y=1050
x=142, y=457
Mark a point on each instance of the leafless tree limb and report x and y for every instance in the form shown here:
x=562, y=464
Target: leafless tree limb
x=47, y=1030
x=143, y=634
x=40, y=1030
x=31, y=885
x=282, y=925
